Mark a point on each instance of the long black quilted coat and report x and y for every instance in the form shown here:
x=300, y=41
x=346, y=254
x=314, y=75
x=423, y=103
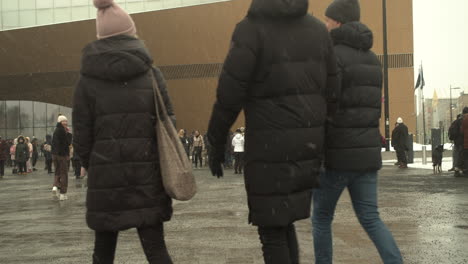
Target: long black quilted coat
x=279, y=68
x=114, y=136
x=353, y=138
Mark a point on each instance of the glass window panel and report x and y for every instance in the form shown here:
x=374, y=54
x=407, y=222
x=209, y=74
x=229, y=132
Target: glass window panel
x=9, y=5
x=2, y=115
x=52, y=114
x=26, y=114
x=12, y=114
x=27, y=4
x=191, y=2
x=45, y=16
x=62, y=3
x=154, y=4
x=135, y=7
x=80, y=2
x=40, y=134
x=172, y=3
x=12, y=133
x=40, y=114
x=62, y=15
x=80, y=13
x=66, y=111
x=27, y=132
x=27, y=18
x=10, y=19
x=45, y=3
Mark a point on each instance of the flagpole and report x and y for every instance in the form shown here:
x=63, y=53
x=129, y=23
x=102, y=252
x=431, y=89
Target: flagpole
x=385, y=69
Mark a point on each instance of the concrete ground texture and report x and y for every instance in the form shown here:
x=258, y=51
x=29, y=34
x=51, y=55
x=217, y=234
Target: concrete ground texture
x=427, y=213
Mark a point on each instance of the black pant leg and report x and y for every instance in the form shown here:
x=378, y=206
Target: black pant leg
x=275, y=245
x=104, y=247
x=2, y=167
x=154, y=245
x=293, y=244
x=236, y=162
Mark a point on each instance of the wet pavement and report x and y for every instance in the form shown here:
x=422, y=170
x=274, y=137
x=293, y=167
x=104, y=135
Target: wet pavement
x=428, y=215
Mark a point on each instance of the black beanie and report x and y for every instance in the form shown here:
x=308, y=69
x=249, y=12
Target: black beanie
x=344, y=11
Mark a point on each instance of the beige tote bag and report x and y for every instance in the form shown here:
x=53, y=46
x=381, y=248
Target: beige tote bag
x=176, y=169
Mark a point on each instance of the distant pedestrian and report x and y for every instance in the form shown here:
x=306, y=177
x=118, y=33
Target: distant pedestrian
x=114, y=114
x=31, y=149
x=61, y=155
x=455, y=134
x=22, y=155
x=185, y=141
x=35, y=153
x=353, y=157
x=76, y=164
x=198, y=147
x=14, y=164
x=48, y=153
x=400, y=143
x=238, y=144
x=281, y=70
x=4, y=151
x=465, y=142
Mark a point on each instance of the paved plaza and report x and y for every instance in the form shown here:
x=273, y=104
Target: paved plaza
x=428, y=214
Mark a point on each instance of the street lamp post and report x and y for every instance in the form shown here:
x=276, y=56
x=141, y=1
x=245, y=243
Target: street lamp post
x=451, y=104
x=385, y=68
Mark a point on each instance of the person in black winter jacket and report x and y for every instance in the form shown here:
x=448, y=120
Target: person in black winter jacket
x=61, y=142
x=456, y=136
x=400, y=142
x=280, y=69
x=113, y=120
x=353, y=156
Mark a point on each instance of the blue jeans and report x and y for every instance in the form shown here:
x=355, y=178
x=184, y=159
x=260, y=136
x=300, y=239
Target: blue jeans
x=362, y=188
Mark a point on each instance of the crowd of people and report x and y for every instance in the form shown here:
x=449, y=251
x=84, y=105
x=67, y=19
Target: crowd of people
x=22, y=154
x=198, y=151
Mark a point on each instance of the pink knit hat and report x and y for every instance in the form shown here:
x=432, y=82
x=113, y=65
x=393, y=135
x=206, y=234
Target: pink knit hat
x=112, y=20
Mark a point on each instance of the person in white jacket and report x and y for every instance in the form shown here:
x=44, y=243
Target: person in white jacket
x=238, y=144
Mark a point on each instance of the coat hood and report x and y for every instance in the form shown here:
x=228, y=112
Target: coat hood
x=21, y=137
x=278, y=8
x=354, y=34
x=118, y=58
x=238, y=136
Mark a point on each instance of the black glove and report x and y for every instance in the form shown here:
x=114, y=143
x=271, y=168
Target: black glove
x=216, y=161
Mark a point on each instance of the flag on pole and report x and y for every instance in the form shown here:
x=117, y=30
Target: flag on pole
x=420, y=83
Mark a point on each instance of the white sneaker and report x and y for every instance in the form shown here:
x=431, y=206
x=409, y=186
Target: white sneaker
x=54, y=190
x=63, y=197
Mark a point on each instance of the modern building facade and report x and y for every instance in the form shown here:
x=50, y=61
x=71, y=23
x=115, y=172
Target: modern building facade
x=188, y=39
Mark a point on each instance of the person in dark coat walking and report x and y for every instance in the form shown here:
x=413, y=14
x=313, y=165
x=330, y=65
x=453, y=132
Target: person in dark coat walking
x=456, y=136
x=353, y=156
x=48, y=153
x=61, y=142
x=464, y=129
x=400, y=143
x=22, y=155
x=280, y=69
x=116, y=140
x=35, y=153
x=4, y=152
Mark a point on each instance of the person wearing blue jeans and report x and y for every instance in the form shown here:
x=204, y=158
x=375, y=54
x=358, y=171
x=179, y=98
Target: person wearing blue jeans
x=362, y=188
x=353, y=144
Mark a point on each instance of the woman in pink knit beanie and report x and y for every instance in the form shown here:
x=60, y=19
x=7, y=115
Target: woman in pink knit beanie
x=114, y=137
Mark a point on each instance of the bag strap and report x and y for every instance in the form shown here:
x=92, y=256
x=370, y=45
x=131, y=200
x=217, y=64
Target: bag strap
x=158, y=97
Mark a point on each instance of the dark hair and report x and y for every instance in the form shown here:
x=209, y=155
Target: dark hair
x=238, y=130
x=465, y=110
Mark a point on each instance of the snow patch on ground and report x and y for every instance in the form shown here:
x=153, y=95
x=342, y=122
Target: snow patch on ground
x=446, y=163
x=418, y=147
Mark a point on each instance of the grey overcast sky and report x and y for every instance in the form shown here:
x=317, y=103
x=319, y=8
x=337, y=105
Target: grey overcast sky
x=441, y=43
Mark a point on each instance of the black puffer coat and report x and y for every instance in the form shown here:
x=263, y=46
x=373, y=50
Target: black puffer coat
x=353, y=136
x=278, y=69
x=114, y=135
x=61, y=141
x=400, y=137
